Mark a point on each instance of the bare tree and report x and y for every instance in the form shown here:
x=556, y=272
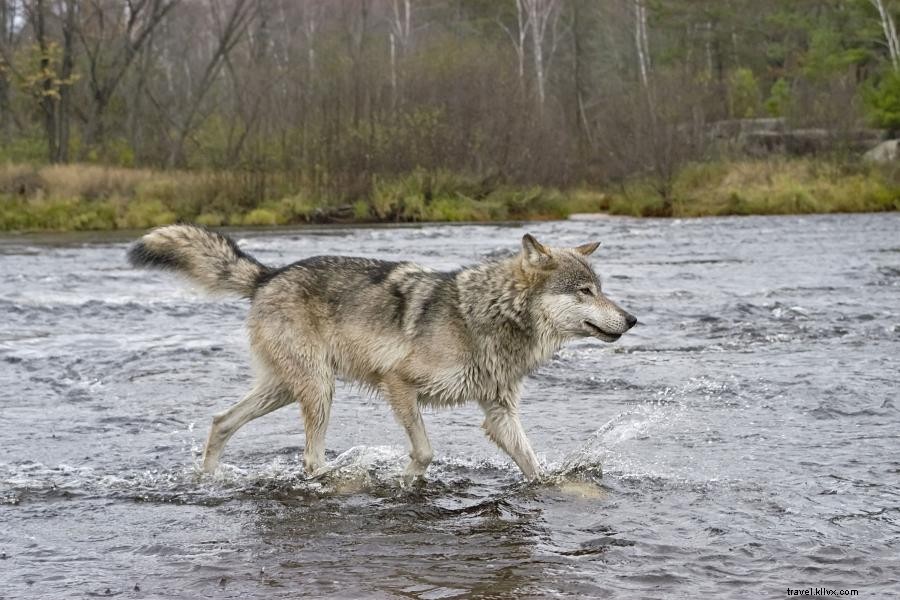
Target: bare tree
x=312, y=14
x=890, y=33
x=186, y=116
x=640, y=41
x=356, y=18
x=112, y=37
x=136, y=96
x=63, y=122
x=519, y=38
x=399, y=35
x=8, y=11
x=47, y=92
x=54, y=77
x=540, y=14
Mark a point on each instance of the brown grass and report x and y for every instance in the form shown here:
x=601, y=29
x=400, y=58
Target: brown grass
x=772, y=186
x=67, y=197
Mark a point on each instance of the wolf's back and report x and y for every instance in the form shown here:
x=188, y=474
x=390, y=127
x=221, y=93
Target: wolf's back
x=210, y=259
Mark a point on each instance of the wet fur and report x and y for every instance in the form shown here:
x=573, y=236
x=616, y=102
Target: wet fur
x=419, y=337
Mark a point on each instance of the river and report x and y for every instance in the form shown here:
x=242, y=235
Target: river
x=743, y=439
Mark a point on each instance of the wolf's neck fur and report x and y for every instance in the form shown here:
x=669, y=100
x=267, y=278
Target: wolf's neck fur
x=498, y=302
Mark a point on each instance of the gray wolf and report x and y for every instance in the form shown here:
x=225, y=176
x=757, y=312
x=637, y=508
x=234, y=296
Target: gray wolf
x=418, y=337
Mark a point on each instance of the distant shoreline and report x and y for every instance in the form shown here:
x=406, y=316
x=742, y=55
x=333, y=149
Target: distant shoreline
x=97, y=198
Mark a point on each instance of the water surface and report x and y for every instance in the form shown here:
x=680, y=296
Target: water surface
x=746, y=432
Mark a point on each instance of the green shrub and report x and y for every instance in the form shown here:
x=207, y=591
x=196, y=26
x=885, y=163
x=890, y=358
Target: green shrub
x=210, y=219
x=143, y=214
x=586, y=200
x=882, y=101
x=24, y=150
x=361, y=210
x=262, y=216
x=296, y=208
x=459, y=209
x=779, y=98
x=648, y=204
x=743, y=94
x=386, y=197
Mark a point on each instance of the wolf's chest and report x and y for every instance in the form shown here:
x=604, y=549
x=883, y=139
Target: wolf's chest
x=483, y=382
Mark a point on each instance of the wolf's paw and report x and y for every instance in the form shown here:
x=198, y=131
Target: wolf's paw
x=209, y=464
x=409, y=481
x=414, y=474
x=321, y=472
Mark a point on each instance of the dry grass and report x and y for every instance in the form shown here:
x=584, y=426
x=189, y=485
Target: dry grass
x=65, y=197
x=92, y=182
x=773, y=186
x=70, y=197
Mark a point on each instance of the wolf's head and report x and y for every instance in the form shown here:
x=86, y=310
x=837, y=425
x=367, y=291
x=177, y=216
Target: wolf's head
x=571, y=301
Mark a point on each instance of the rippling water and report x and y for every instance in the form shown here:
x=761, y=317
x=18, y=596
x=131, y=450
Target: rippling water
x=747, y=431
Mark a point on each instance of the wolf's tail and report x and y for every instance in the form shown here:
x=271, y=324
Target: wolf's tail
x=210, y=259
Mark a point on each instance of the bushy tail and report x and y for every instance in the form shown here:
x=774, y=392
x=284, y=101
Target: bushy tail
x=211, y=259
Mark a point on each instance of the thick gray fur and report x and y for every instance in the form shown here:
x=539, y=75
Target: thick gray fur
x=420, y=337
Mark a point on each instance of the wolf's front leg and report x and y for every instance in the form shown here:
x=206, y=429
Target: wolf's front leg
x=404, y=400
x=503, y=427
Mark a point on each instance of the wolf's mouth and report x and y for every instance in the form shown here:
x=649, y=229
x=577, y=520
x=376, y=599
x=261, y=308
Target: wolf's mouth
x=603, y=335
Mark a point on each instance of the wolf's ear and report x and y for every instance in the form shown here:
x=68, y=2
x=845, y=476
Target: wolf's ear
x=587, y=249
x=536, y=254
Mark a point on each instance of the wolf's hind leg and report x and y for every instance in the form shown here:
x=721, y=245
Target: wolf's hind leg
x=403, y=400
x=503, y=427
x=299, y=359
x=314, y=392
x=266, y=396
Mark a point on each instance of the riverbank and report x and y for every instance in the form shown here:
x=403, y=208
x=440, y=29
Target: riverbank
x=771, y=186
x=91, y=197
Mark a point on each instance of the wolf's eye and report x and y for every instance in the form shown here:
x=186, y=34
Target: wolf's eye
x=586, y=291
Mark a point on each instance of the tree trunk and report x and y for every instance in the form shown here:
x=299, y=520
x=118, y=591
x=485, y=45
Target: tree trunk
x=640, y=41
x=580, y=117
x=538, y=54
x=890, y=33
x=399, y=40
x=133, y=37
x=65, y=87
x=233, y=29
x=47, y=100
x=539, y=14
x=5, y=105
x=518, y=39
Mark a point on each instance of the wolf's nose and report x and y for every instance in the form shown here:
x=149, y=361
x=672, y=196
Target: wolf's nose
x=631, y=320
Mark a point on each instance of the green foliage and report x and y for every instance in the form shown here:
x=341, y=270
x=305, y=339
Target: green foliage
x=142, y=214
x=411, y=197
x=117, y=152
x=830, y=51
x=24, y=150
x=779, y=98
x=210, y=219
x=262, y=216
x=361, y=211
x=743, y=94
x=40, y=69
x=55, y=214
x=883, y=101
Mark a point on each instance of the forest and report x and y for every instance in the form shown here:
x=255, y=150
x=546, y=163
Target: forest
x=130, y=113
